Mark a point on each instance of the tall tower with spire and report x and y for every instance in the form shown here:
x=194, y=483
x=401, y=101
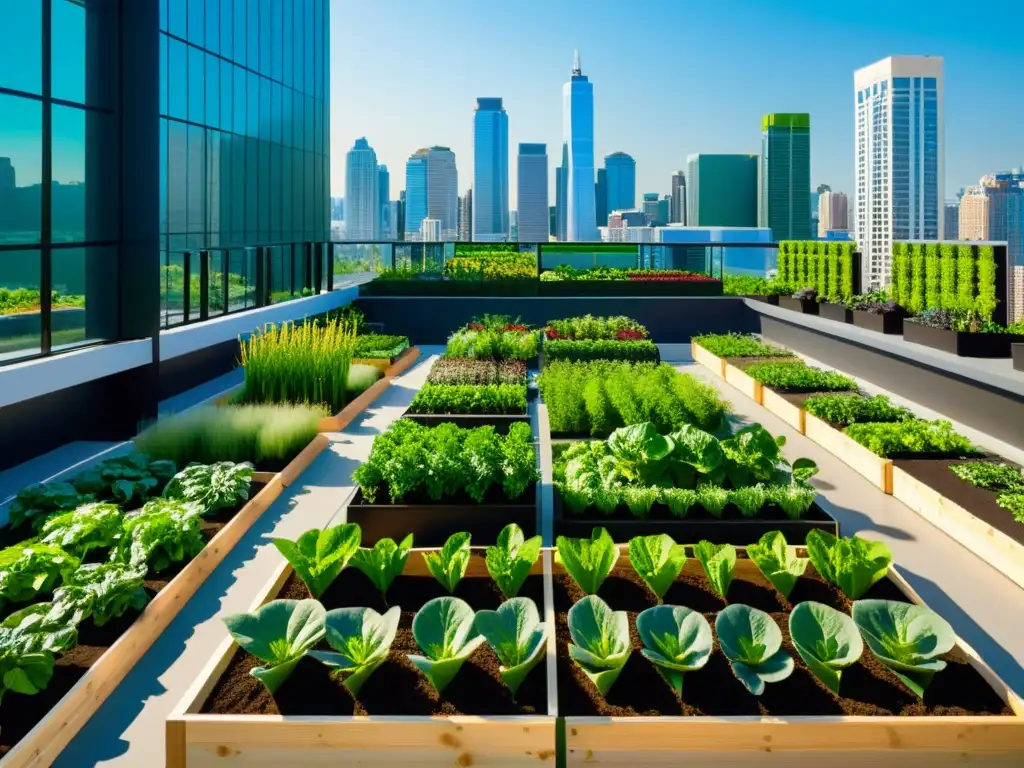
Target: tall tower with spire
x=578, y=135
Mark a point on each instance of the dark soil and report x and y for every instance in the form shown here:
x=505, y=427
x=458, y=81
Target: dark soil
x=397, y=687
x=867, y=687
x=21, y=713
x=935, y=473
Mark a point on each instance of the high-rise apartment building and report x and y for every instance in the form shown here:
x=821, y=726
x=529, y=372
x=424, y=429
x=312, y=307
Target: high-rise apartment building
x=678, y=215
x=601, y=197
x=951, y=215
x=650, y=208
x=722, y=190
x=466, y=216
x=362, y=193
x=898, y=141
x=784, y=176
x=621, y=170
x=490, y=171
x=833, y=213
x=532, y=193
x=431, y=187
x=578, y=133
x=993, y=209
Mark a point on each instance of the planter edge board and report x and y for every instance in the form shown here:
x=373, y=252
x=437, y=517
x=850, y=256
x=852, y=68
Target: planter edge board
x=345, y=416
x=858, y=458
x=744, y=383
x=712, y=362
x=781, y=407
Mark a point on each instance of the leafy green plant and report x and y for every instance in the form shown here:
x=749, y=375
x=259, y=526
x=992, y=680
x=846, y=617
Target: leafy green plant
x=36, y=502
x=125, y=479
x=29, y=638
x=592, y=328
x=719, y=563
x=752, y=642
x=32, y=568
x=318, y=556
x=493, y=344
x=851, y=409
x=986, y=301
x=464, y=370
x=383, y=562
x=103, y=591
x=676, y=640
x=657, y=559
x=678, y=500
x=832, y=258
x=163, y=532
x=91, y=526
x=932, y=277
x=516, y=635
x=588, y=561
x=917, y=294
x=965, y=278
x=279, y=634
x=600, y=641
x=852, y=564
x=212, y=486
x=907, y=638
x=713, y=498
x=777, y=561
x=738, y=345
x=796, y=377
x=910, y=437
x=749, y=499
x=470, y=398
x=642, y=350
x=377, y=346
x=444, y=631
x=448, y=565
x=947, y=290
x=510, y=559
x=361, y=639
x=1003, y=479
x=793, y=498
x=826, y=639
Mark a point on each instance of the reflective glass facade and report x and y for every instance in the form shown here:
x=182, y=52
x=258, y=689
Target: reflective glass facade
x=490, y=171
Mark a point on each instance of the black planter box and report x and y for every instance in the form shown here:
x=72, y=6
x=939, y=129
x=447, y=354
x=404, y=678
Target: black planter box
x=431, y=523
x=657, y=358
x=501, y=423
x=890, y=322
x=773, y=299
x=958, y=343
x=806, y=306
x=1018, y=356
x=837, y=312
x=622, y=525
x=630, y=288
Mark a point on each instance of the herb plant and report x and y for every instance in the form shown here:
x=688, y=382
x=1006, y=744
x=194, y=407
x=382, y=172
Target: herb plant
x=91, y=526
x=796, y=377
x=678, y=500
x=1003, y=479
x=590, y=328
x=600, y=641
x=361, y=639
x=588, y=561
x=444, y=631
x=826, y=639
x=738, y=345
x=657, y=560
x=470, y=398
x=752, y=642
x=719, y=563
x=212, y=486
x=910, y=437
x=852, y=564
x=794, y=499
x=383, y=562
x=777, y=562
x=852, y=409
x=464, y=370
x=748, y=499
x=642, y=350
x=484, y=344
x=163, y=532
x=318, y=556
x=510, y=559
x=30, y=569
x=516, y=635
x=676, y=640
x=449, y=564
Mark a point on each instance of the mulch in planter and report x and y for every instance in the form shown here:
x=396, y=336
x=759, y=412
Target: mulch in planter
x=397, y=687
x=867, y=687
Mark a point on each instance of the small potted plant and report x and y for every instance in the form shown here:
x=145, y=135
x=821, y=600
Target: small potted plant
x=877, y=312
x=961, y=333
x=804, y=300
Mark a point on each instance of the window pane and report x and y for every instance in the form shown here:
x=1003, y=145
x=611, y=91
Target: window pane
x=163, y=74
x=85, y=282
x=82, y=201
x=212, y=91
x=252, y=35
x=21, y=52
x=68, y=36
x=20, y=324
x=177, y=163
x=21, y=169
x=196, y=21
x=227, y=27
x=196, y=179
x=212, y=26
x=177, y=79
x=196, y=92
x=177, y=18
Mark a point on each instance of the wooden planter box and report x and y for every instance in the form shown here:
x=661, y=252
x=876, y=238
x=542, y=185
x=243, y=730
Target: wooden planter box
x=989, y=345
x=781, y=407
x=41, y=746
x=889, y=323
x=711, y=362
x=744, y=383
x=876, y=469
x=806, y=306
x=502, y=423
x=344, y=417
x=1017, y=352
x=838, y=312
x=383, y=363
x=195, y=740
x=991, y=545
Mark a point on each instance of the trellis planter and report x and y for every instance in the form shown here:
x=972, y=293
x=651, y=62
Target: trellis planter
x=1017, y=352
x=837, y=312
x=887, y=322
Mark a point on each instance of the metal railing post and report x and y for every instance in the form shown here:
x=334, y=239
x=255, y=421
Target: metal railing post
x=307, y=266
x=186, y=299
x=225, y=283
x=318, y=268
x=261, y=278
x=204, y=285
x=268, y=277
x=330, y=267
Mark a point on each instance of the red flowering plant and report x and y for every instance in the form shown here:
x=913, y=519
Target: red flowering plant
x=667, y=276
x=630, y=335
x=477, y=327
x=517, y=327
x=551, y=333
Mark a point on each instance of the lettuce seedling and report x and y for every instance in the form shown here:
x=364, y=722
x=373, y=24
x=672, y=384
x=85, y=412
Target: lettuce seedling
x=907, y=638
x=443, y=629
x=31, y=569
x=640, y=500
x=678, y=500
x=318, y=556
x=826, y=639
x=713, y=498
x=852, y=564
x=749, y=499
x=103, y=591
x=600, y=641
x=676, y=640
x=777, y=562
x=384, y=562
x=719, y=561
x=449, y=564
x=753, y=644
x=212, y=486
x=278, y=634
x=91, y=526
x=658, y=560
x=793, y=498
x=516, y=635
x=588, y=561
x=361, y=639
x=509, y=560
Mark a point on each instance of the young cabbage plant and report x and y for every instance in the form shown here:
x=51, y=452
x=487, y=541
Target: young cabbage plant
x=852, y=564
x=676, y=640
x=163, y=532
x=826, y=639
x=384, y=562
x=449, y=564
x=212, y=486
x=907, y=638
x=777, y=562
x=588, y=561
x=752, y=642
x=361, y=639
x=516, y=635
x=443, y=629
x=278, y=634
x=719, y=561
x=509, y=560
x=658, y=560
x=600, y=641
x=318, y=556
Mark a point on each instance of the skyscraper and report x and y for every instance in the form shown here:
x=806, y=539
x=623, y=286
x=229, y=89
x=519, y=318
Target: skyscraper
x=722, y=190
x=899, y=143
x=678, y=198
x=562, y=196
x=384, y=202
x=490, y=171
x=993, y=209
x=952, y=218
x=532, y=193
x=578, y=131
x=621, y=169
x=362, y=193
x=466, y=216
x=601, y=198
x=784, y=176
x=664, y=210
x=415, y=192
x=650, y=208
x=431, y=186
x=833, y=212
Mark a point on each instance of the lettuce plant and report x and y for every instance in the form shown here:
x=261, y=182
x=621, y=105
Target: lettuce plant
x=36, y=502
x=278, y=634
x=679, y=500
x=361, y=639
x=752, y=642
x=657, y=560
x=384, y=562
x=777, y=562
x=443, y=629
x=748, y=499
x=713, y=499
x=640, y=453
x=163, y=532
x=516, y=635
x=676, y=640
x=448, y=565
x=212, y=486
x=91, y=526
x=600, y=641
x=103, y=591
x=719, y=561
x=510, y=559
x=588, y=561
x=794, y=499
x=907, y=638
x=318, y=556
x=639, y=500
x=125, y=479
x=852, y=564
x=826, y=639
x=31, y=569
x=28, y=642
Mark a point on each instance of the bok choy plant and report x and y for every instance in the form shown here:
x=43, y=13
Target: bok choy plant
x=719, y=561
x=600, y=641
x=588, y=561
x=449, y=564
x=826, y=639
x=384, y=562
x=444, y=631
x=676, y=640
x=318, y=556
x=516, y=635
x=752, y=642
x=509, y=560
x=657, y=560
x=361, y=639
x=852, y=564
x=777, y=562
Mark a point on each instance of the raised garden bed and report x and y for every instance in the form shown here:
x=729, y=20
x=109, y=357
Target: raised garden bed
x=712, y=362
x=344, y=417
x=228, y=717
x=838, y=312
x=875, y=468
x=883, y=322
x=805, y=306
x=962, y=344
x=614, y=288
x=501, y=422
x=787, y=406
x=1017, y=353
x=735, y=376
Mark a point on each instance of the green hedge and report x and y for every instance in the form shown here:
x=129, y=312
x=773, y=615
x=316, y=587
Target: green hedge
x=944, y=276
x=824, y=266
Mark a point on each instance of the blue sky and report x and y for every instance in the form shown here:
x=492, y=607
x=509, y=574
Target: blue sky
x=671, y=77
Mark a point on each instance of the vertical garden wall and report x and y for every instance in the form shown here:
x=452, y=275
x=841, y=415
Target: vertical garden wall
x=831, y=268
